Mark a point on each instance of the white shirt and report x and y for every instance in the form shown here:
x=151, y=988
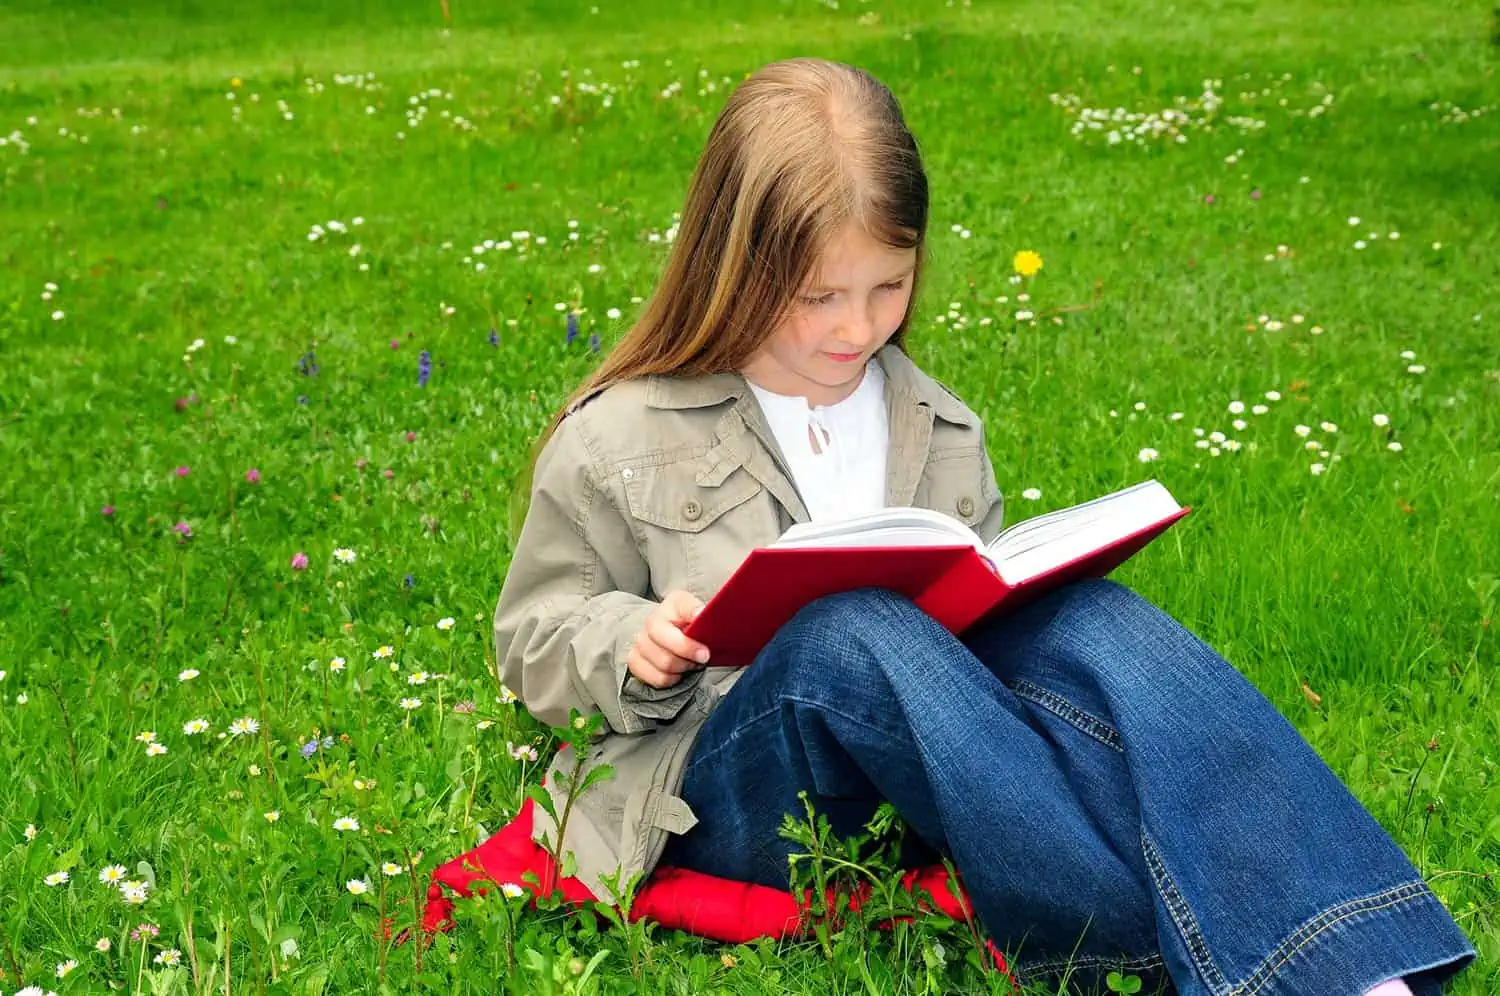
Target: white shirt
x=845, y=473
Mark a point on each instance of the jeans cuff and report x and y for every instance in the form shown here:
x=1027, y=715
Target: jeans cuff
x=1403, y=932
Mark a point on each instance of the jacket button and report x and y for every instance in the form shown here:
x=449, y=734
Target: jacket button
x=691, y=511
x=966, y=506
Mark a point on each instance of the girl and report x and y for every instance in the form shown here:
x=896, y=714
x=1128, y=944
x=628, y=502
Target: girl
x=1114, y=794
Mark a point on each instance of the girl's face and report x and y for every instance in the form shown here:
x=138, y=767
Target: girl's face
x=853, y=302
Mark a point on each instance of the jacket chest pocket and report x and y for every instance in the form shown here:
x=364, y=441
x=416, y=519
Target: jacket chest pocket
x=694, y=534
x=956, y=482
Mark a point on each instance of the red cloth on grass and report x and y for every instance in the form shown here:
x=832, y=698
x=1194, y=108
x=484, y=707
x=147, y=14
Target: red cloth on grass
x=677, y=898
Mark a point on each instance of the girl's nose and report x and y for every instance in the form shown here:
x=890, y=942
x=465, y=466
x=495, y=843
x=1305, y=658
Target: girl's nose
x=860, y=330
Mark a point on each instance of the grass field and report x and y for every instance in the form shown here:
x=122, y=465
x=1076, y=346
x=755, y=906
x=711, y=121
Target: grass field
x=231, y=233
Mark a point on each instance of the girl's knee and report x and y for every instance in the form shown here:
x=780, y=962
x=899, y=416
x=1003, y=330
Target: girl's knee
x=1099, y=603
x=862, y=612
x=840, y=639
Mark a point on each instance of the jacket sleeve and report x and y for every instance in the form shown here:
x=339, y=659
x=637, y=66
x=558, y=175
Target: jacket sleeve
x=575, y=594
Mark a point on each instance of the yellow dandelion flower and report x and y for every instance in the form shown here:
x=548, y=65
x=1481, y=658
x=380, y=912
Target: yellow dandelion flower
x=1027, y=263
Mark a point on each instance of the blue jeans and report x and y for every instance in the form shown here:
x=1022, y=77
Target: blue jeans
x=1113, y=793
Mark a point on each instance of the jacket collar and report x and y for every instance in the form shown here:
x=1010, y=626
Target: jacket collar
x=904, y=383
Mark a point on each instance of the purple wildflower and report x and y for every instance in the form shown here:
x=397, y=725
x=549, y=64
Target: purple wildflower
x=1255, y=194
x=144, y=930
x=299, y=561
x=410, y=581
x=183, y=529
x=107, y=511
x=424, y=368
x=594, y=343
x=395, y=343
x=1208, y=198
x=494, y=338
x=572, y=326
x=310, y=748
x=463, y=707
x=253, y=475
x=308, y=364
x=184, y=471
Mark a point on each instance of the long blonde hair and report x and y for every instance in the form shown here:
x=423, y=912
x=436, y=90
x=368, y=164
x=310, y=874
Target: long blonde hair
x=801, y=148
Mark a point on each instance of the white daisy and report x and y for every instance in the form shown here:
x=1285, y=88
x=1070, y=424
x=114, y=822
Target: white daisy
x=390, y=868
x=1146, y=455
x=244, y=726
x=344, y=555
x=511, y=890
x=1032, y=494
x=112, y=875
x=357, y=886
x=445, y=623
x=346, y=823
x=195, y=726
x=56, y=878
x=410, y=704
x=155, y=750
x=187, y=674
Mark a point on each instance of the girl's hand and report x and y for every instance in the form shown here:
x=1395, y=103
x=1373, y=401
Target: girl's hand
x=661, y=653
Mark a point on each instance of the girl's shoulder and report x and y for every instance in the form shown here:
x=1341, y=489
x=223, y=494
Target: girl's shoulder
x=905, y=376
x=648, y=415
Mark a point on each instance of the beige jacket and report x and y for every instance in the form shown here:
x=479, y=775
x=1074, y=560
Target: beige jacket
x=663, y=483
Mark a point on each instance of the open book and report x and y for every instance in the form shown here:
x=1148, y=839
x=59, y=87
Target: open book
x=930, y=557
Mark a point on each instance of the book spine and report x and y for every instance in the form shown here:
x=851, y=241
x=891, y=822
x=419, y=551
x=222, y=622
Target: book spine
x=965, y=593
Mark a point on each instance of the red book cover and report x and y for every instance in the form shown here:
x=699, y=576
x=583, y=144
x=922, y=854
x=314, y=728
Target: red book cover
x=953, y=584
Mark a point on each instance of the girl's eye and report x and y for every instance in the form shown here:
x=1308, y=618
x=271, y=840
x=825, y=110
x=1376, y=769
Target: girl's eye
x=894, y=285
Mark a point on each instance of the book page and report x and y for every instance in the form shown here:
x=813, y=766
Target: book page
x=885, y=527
x=1047, y=541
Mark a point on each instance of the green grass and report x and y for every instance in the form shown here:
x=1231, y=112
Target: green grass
x=1359, y=600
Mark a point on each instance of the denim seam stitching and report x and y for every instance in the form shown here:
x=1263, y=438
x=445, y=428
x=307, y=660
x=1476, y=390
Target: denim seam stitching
x=1182, y=917
x=1069, y=713
x=1032, y=970
x=1331, y=917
